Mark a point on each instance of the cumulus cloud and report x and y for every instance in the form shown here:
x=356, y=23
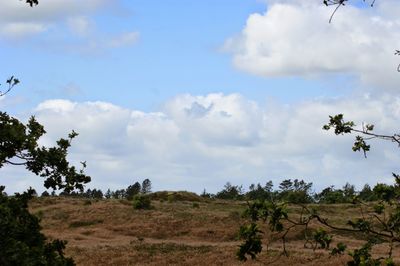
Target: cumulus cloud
x=197, y=142
x=74, y=19
x=294, y=38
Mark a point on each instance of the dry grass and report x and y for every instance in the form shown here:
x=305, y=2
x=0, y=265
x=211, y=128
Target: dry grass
x=111, y=232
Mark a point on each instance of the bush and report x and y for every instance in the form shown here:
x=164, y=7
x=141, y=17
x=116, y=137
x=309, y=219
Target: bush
x=141, y=202
x=20, y=239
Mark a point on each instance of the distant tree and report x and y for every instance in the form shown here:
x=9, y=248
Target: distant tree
x=146, y=186
x=330, y=195
x=349, y=192
x=230, y=192
x=205, y=194
x=108, y=194
x=87, y=194
x=133, y=190
x=296, y=191
x=366, y=194
x=45, y=194
x=385, y=192
x=96, y=194
x=269, y=186
x=286, y=185
x=259, y=192
x=119, y=194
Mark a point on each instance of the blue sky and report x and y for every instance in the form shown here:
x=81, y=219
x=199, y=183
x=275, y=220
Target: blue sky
x=180, y=50
x=192, y=94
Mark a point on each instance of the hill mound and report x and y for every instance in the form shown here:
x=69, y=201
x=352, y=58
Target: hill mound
x=175, y=196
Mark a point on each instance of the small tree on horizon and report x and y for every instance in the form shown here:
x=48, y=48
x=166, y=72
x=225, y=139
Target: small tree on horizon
x=146, y=186
x=133, y=190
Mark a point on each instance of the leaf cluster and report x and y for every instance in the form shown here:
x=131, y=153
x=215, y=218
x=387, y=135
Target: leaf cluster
x=21, y=241
x=252, y=244
x=19, y=146
x=11, y=83
x=32, y=2
x=322, y=239
x=141, y=202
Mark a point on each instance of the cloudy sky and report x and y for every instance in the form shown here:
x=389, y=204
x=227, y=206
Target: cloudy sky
x=192, y=94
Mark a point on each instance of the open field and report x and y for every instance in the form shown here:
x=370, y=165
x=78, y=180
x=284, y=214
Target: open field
x=175, y=232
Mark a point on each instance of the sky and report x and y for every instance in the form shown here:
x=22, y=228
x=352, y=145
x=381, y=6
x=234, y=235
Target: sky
x=193, y=94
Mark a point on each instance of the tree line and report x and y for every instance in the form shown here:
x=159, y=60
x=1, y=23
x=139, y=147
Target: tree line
x=126, y=193
x=288, y=190
x=300, y=191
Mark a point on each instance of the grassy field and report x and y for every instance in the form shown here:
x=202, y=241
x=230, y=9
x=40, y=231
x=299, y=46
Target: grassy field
x=176, y=232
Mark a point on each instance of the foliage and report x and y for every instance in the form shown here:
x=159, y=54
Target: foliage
x=206, y=195
x=363, y=256
x=339, y=3
x=146, y=186
x=367, y=194
x=21, y=241
x=341, y=127
x=108, y=194
x=259, y=192
x=296, y=191
x=175, y=196
x=252, y=241
x=93, y=194
x=382, y=222
x=32, y=2
x=322, y=239
x=11, y=83
x=132, y=190
x=230, y=192
x=141, y=202
x=119, y=194
x=20, y=238
x=19, y=146
x=339, y=249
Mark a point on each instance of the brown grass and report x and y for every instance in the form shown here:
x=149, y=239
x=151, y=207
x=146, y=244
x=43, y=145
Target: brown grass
x=111, y=232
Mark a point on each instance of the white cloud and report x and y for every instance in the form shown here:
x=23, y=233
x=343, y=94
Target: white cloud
x=67, y=25
x=294, y=38
x=197, y=142
x=49, y=10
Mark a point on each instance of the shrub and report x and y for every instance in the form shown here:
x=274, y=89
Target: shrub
x=322, y=239
x=20, y=239
x=141, y=202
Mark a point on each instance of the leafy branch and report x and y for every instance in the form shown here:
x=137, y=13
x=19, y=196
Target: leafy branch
x=342, y=127
x=338, y=3
x=32, y=2
x=11, y=83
